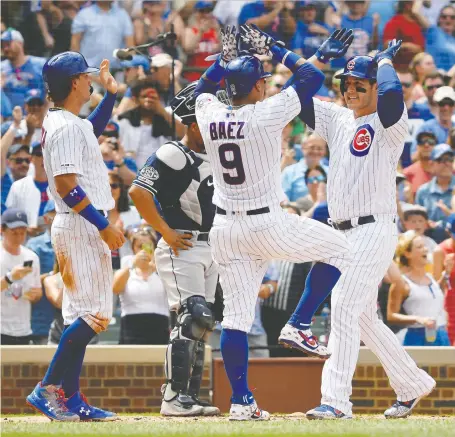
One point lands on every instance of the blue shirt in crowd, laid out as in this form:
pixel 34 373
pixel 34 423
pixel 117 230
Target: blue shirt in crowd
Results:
pixel 103 32
pixel 42 312
pixel 429 194
pixel 363 32
pixel 441 46
pixel 306 41
pixel 42 187
pixel 20 80
pixel 293 180
pixel 129 162
pixel 7 109
pixel 257 9
pixel 7 181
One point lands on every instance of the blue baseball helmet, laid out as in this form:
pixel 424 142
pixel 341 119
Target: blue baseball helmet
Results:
pixel 363 67
pixel 242 73
pixel 59 70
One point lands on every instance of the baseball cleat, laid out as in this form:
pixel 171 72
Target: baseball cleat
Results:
pixel 50 400
pixel 79 405
pixel 303 340
pixel 326 412
pixel 207 408
pixel 181 405
pixel 247 412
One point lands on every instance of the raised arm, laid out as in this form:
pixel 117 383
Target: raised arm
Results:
pixel 103 112
pixel 390 93
pixel 209 82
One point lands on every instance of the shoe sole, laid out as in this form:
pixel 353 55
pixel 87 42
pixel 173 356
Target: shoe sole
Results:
pixel 106 419
pixel 315 417
pixel 28 402
pixel 234 419
pixel 410 410
pixel 182 414
pixel 289 344
pixel 213 413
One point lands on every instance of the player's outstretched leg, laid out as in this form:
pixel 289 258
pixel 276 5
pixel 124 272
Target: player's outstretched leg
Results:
pixel 194 319
pixel 196 380
pixel 297 332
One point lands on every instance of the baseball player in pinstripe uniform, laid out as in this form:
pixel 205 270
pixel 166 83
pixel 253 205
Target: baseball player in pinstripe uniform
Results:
pixel 81 234
pixel 180 178
pixel 250 228
pixel 365 141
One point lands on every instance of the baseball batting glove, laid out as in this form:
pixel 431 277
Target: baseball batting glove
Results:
pixel 229 46
pixel 390 52
pixel 335 46
pixel 260 42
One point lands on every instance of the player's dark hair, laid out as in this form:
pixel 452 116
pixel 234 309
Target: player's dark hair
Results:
pixel 123 203
pixel 310 169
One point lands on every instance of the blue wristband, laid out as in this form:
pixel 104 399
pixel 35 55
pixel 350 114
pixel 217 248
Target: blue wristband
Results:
pixel 215 72
pixel 286 57
pixel 94 217
pixel 75 196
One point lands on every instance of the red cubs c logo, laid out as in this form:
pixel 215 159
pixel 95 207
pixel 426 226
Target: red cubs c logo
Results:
pixel 363 138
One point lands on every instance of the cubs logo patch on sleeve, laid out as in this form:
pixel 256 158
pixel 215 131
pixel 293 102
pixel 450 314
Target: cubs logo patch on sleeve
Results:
pixel 362 141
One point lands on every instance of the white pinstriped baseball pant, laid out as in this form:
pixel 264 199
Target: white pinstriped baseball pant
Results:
pixel 86 267
pixel 244 245
pixel 355 318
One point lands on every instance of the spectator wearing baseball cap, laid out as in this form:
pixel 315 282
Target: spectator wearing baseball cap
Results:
pixel 20 283
pixel 43 311
pixel 419 173
pixel 21 72
pixel 161 69
pixel 447 269
pixel 15 164
pixel 31 192
pixel 436 195
pixel 441 125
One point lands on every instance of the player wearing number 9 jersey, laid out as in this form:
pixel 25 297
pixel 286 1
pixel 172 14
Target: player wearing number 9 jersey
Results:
pixel 243 143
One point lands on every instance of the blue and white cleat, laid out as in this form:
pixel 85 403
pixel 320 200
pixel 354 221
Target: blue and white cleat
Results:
pixel 79 405
pixel 403 409
pixel 326 412
pixel 303 340
pixel 50 400
pixel 247 412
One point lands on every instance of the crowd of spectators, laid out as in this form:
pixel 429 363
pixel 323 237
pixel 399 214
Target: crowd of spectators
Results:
pixel 417 296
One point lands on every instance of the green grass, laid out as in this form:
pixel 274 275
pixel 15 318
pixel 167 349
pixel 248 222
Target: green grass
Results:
pixel 157 427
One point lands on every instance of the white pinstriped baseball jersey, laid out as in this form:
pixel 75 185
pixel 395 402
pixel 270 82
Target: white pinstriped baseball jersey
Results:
pixel 363 160
pixel 244 148
pixel 70 146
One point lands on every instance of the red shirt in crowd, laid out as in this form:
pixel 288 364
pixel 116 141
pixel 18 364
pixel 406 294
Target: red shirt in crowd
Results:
pixel 208 45
pixel 416 176
pixel 400 27
pixel 447 247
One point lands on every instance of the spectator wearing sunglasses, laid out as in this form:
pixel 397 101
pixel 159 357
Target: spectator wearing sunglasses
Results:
pixel 314 177
pixel 436 195
pixel 122 216
pixel 440 39
pixel 30 193
pixel 421 65
pixel 441 125
pixel 431 82
pixel 420 173
pixel 14 168
pixel 145 311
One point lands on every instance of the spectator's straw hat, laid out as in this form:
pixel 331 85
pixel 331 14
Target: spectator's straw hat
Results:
pixel 161 60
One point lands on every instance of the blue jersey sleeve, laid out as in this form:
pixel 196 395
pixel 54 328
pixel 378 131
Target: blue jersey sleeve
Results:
pixel 102 113
pixel 390 96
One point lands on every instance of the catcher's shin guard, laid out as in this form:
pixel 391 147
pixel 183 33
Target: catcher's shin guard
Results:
pixel 198 369
pixel 179 362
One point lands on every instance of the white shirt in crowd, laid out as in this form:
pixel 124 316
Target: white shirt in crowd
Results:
pixel 25 195
pixel 139 141
pixel 425 301
pixel 142 296
pixel 16 310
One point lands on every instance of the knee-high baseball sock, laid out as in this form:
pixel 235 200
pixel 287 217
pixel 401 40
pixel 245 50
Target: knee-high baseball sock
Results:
pixel 75 337
pixel 319 283
pixel 234 349
pixel 70 383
